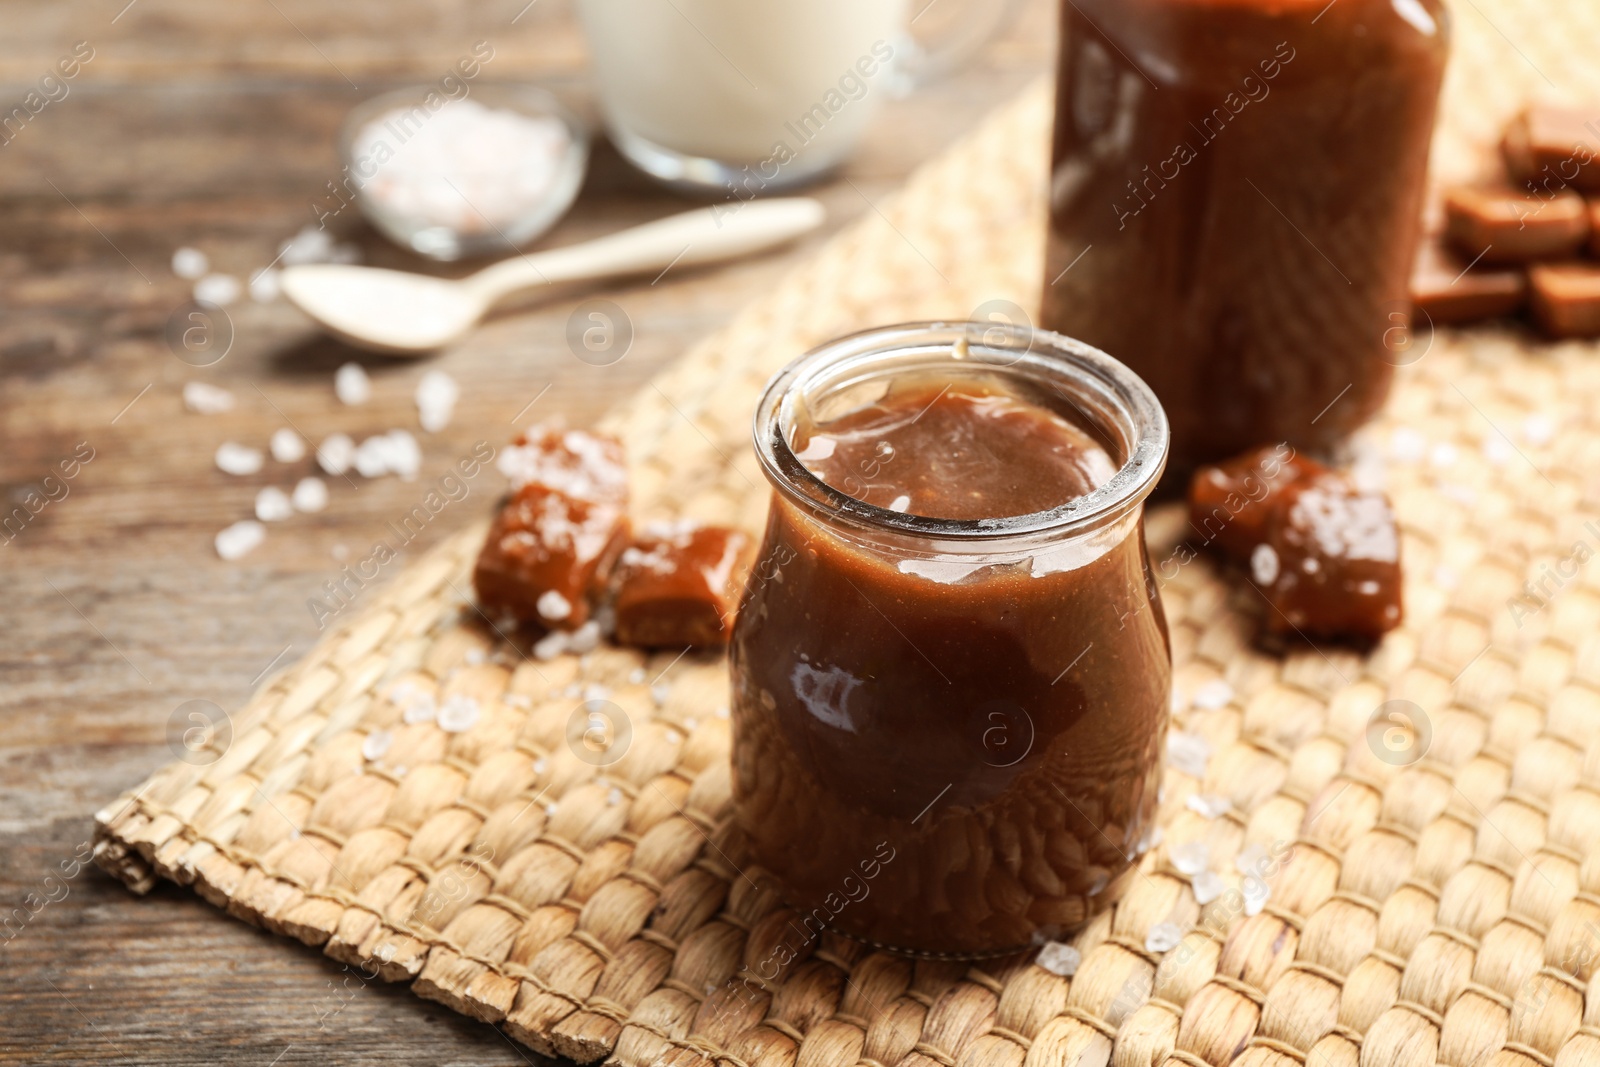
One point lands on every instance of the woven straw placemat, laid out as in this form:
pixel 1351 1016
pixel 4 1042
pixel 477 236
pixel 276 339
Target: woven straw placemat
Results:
pixel 1436 909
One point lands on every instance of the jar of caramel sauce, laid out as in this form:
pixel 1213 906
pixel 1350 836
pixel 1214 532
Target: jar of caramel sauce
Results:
pixel 1235 201
pixel 951 670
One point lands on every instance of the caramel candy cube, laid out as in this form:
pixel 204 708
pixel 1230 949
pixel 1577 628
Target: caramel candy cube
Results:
pixel 1230 503
pixel 679 586
pixel 1330 565
pixel 1506 226
pixel 1566 299
pixel 550 550
pixel 1446 290
pixel 1554 147
pixel 547 555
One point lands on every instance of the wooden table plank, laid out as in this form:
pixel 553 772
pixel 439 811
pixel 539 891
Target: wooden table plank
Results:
pixel 211 126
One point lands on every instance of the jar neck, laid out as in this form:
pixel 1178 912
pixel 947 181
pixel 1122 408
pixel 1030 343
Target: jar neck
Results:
pixel 1104 397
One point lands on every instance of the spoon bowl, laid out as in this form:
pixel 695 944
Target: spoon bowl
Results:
pixel 384 310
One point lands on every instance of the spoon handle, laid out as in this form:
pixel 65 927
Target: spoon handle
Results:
pixel 705 235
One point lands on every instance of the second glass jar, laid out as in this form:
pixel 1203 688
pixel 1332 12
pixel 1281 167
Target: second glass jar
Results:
pixel 947 733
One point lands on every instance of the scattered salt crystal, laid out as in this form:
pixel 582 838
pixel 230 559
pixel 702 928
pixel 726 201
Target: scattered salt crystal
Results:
pixel 1207 886
pixel 1264 564
pixel 240 538
pixel 691 723
pixel 233 458
pixel 190 263
pixel 1497 451
pixel 1443 454
pixel 376 744
pixel 459 714
pixel 674 737
pixel 336 453
pixel 596 692
pixel 1251 858
pixel 1163 937
pixel 351 384
pixel 474 657
pixel 1538 429
pixel 900 503
pixel 1191 857
pixel 311 245
pixel 1407 445
pixel 550 808
pixel 550 645
pixel 401 771
pixel 1188 753
pixel 205 399
pixel 265 286
pixel 436 397
pixel 541 765
pixel 420 708
pixel 400 692
pixel 339 551
pixel 218 289
pixel 1256 893
pixel 636 676
pixel 272 504
pixel 1208 805
pixel 553 606
pixel 723 712
pixel 310 495
pixel 403 454
pixel 1214 694
pixel 659 693
pixel 572 691
pixel 372 457
pixel 585 638
pixel 1059 959
pixel 613 797
pixel 287 446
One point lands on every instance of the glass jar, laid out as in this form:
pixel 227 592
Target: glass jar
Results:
pixel 1236 191
pixel 947 734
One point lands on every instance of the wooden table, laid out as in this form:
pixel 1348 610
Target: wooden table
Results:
pixel 212 126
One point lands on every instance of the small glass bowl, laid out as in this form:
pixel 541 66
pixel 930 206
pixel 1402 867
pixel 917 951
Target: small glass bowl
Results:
pixel 474 233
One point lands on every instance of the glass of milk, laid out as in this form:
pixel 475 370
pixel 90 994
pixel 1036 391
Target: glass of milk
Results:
pixel 744 96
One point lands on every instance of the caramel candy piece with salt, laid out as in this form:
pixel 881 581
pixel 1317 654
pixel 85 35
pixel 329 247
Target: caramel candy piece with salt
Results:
pixel 546 555
pixel 1506 226
pixel 1446 290
pixel 679 585
pixel 1324 553
pixel 1551 148
pixel 550 550
pixel 1566 298
pixel 1230 503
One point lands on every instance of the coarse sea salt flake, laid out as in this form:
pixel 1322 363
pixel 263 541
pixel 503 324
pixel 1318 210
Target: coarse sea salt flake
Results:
pixel 1191 858
pixel 1188 753
pixel 287 446
pixel 459 714
pixel 436 398
pixel 336 453
pixel 234 458
pixel 1207 886
pixel 1059 958
pixel 1208 805
pixel 1163 937
pixel 376 744
pixel 1213 694
pixel 310 495
pixel 202 398
pixel 190 263
pixel 240 539
pixel 351 384
pixel 272 504
pixel 218 289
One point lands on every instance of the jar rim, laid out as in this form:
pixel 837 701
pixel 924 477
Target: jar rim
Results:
pixel 991 347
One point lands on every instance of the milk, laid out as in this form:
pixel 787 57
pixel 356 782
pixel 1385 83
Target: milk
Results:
pixel 748 93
